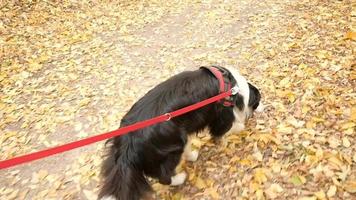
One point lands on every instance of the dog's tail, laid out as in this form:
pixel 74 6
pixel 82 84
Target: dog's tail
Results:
pixel 122 181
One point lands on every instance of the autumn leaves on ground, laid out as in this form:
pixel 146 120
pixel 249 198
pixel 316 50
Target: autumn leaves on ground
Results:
pixel 71 69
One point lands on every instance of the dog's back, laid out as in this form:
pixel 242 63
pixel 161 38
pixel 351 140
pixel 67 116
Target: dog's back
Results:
pixel 145 151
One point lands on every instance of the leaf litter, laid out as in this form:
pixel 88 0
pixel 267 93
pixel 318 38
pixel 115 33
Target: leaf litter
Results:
pixel 72 69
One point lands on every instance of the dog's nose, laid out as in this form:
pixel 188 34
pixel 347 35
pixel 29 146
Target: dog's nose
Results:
pixel 260 108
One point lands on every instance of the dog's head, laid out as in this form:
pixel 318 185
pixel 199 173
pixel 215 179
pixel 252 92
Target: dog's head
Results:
pixel 248 99
pixel 254 101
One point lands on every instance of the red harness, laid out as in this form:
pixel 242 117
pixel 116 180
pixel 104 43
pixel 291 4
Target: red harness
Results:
pixel 224 84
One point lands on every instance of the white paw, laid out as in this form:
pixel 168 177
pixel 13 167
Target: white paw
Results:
pixel 237 127
pixel 192 156
pixel 178 179
pixel 108 198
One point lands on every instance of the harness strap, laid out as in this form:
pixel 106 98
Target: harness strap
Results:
pixel 224 84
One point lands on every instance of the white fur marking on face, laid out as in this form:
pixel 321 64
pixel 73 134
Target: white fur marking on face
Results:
pixel 242 84
pixel 260 108
pixel 108 198
pixel 178 179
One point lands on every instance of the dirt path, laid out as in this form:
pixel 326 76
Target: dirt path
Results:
pixel 71 70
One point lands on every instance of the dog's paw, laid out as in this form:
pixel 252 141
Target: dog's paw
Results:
pixel 178 179
pixel 108 198
pixel 192 156
pixel 237 127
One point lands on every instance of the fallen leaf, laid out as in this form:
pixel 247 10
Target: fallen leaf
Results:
pixel 307 198
pixel 320 195
pixel 90 195
pixel 260 175
pixel 350 186
pixel 332 191
pixel 199 183
pixel 351 35
pixel 213 193
pixel 297 180
pixel 346 142
pixel 274 191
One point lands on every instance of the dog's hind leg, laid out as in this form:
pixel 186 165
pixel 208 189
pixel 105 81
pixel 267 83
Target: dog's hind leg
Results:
pixel 178 179
pixel 167 174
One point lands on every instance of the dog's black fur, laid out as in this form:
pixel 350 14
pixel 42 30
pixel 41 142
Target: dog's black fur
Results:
pixel 155 151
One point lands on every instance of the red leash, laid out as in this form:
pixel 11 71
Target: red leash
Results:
pixel 139 125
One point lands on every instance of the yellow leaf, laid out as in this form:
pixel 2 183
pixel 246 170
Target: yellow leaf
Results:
pixel 42 174
pixel 348 125
pixel 305 109
pixel 345 142
pixel 333 142
pixel 320 195
pixel 283 128
pixel 84 102
pixel 274 190
pixel 297 180
pixel 260 175
pixel 307 198
pixel 276 167
pixel 353 114
pixel 90 195
pixel 336 162
pixel 259 194
pixel 234 160
pixel 213 193
pixel 177 196
pixel 332 191
pixel 351 35
pixel 258 156
pixel 350 186
pixel 13 195
pixel 199 183
pixel 284 82
pixel 245 161
pixel 266 138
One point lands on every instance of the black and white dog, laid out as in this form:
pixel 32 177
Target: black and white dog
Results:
pixel 155 151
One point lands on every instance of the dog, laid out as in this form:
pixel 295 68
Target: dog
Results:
pixel 155 151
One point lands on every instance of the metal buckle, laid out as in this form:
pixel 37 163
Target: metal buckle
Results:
pixel 169 115
pixel 235 90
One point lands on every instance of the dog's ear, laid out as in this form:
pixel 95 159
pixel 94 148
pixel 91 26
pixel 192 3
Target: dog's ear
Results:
pixel 254 98
pixel 239 101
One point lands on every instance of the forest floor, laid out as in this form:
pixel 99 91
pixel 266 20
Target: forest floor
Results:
pixel 72 69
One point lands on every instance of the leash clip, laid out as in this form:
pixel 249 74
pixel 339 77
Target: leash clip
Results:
pixel 235 90
pixel 169 116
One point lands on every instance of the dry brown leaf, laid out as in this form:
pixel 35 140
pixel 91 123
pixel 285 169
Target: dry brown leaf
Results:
pixel 350 186
pixel 274 191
